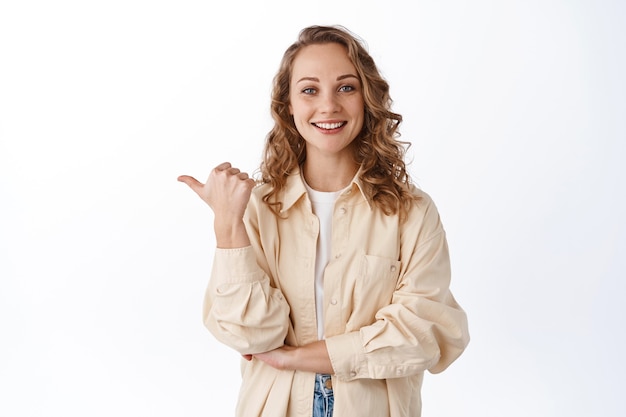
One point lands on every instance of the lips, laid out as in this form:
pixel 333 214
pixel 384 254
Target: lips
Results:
pixel 329 126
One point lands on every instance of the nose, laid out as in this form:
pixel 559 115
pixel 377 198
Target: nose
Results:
pixel 329 103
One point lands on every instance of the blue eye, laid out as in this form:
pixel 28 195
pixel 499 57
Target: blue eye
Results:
pixel 309 90
pixel 346 88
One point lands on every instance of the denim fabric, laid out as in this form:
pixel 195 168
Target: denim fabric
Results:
pixel 323 399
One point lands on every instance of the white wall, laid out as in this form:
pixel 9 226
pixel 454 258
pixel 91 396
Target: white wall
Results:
pixel 516 114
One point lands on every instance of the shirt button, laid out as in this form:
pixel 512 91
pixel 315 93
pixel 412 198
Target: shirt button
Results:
pixel 333 301
pixel 338 256
pixel 342 210
pixel 353 374
pixel 393 268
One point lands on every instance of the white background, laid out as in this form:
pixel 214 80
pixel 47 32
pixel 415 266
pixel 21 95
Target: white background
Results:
pixel 516 111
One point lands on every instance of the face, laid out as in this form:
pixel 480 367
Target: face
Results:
pixel 326 100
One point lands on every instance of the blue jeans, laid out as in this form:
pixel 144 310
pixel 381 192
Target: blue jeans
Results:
pixel 323 399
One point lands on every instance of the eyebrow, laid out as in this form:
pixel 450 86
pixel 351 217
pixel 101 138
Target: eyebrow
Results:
pixel 315 79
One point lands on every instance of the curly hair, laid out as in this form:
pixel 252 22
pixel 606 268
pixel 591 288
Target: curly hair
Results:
pixel 378 150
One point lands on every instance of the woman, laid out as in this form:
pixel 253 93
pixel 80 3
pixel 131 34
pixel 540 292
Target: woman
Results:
pixel 332 276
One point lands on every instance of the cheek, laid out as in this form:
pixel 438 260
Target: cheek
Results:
pixel 299 110
pixel 357 107
pixel 359 111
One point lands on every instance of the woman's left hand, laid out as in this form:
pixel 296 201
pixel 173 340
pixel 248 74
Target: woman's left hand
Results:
pixel 281 358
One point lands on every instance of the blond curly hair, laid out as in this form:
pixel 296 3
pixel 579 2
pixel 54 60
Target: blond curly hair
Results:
pixel 378 150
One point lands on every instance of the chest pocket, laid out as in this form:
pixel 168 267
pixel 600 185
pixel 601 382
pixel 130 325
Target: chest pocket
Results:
pixel 376 282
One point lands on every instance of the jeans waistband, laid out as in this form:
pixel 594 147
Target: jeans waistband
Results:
pixel 324 384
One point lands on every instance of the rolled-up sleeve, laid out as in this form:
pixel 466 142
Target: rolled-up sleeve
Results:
pixel 241 308
pixel 422 328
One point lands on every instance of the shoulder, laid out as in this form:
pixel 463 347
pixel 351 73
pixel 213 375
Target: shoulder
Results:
pixel 260 190
pixel 423 202
pixel 285 198
pixel 423 215
pixel 256 197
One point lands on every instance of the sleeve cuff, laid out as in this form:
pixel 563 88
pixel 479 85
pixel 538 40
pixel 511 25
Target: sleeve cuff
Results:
pixel 236 266
pixel 347 356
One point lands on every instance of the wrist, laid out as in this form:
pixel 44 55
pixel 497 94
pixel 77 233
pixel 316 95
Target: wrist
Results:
pixel 293 358
pixel 230 234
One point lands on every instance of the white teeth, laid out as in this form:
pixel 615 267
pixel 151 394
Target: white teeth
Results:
pixel 329 125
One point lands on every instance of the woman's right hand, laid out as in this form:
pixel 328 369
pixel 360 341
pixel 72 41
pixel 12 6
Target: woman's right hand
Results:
pixel 227 191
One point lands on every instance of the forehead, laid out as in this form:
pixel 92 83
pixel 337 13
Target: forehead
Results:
pixel 328 59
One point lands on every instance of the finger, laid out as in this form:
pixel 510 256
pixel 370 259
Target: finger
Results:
pixel 251 182
pixel 193 183
pixel 223 166
pixel 234 171
pixel 242 175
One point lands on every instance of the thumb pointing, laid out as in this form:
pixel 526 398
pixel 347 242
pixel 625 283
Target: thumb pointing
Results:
pixel 193 183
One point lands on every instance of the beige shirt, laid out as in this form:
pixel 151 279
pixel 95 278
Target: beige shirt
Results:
pixel 389 313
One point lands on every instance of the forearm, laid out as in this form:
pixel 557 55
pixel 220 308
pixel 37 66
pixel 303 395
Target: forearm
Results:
pixel 313 358
pixel 309 358
pixel 411 335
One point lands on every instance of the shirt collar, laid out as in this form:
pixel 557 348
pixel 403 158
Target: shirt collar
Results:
pixel 295 189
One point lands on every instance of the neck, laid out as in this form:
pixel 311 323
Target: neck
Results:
pixel 328 177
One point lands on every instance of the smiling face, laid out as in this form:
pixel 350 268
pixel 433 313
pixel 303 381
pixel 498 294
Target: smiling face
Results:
pixel 326 100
